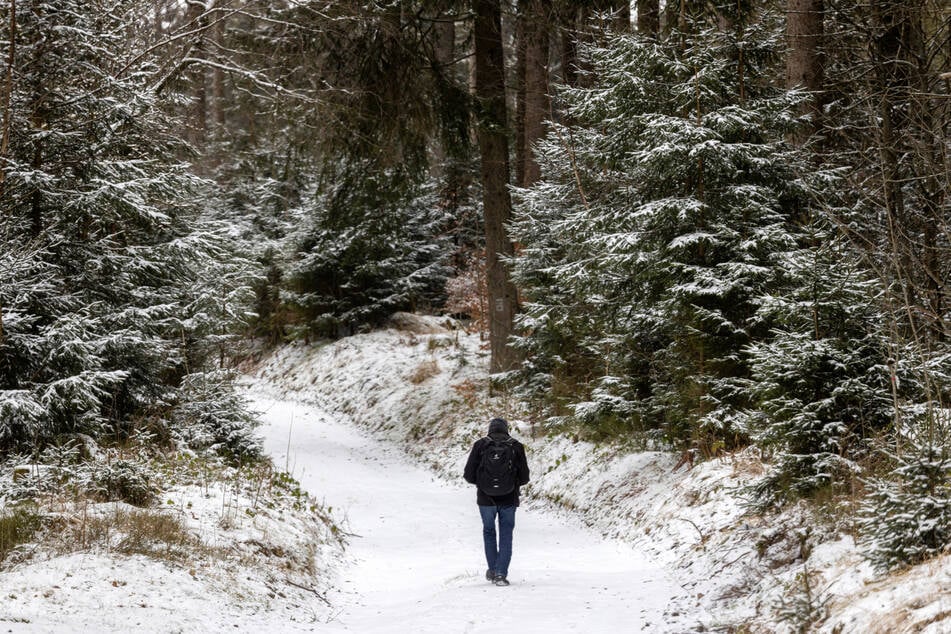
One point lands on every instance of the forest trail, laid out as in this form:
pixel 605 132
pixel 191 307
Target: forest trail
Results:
pixel 416 565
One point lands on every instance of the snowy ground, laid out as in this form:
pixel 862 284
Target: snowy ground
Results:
pixel 222 550
pixel 608 539
pixel 421 386
pixel 417 560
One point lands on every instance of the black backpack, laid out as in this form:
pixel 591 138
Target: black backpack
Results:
pixel 496 474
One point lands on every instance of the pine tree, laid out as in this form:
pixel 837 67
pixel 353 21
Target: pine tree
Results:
pixel 372 248
pixel 26 283
pixel 907 516
pixel 115 305
pixel 365 153
pixel 820 381
pixel 665 210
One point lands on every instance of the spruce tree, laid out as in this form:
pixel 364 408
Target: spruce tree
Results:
pixel 906 518
pixel 371 248
pixel 368 158
pixel 666 207
pixel 820 381
pixel 127 288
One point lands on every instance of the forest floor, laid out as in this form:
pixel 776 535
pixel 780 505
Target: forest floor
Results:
pixel 363 524
pixel 663 547
pixel 218 552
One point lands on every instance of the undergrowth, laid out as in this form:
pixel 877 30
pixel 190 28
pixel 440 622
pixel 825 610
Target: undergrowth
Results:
pixel 135 499
pixel 17 526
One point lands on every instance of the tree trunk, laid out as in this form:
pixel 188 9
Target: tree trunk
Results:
pixel 910 210
pixel 522 26
pixel 198 115
pixel 804 31
pixel 536 106
pixel 648 17
pixel 568 22
pixel 576 25
pixel 444 51
pixel 218 83
pixel 496 202
pixel 913 162
pixel 8 95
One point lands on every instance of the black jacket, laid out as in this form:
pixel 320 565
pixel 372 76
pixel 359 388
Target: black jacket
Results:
pixel 521 472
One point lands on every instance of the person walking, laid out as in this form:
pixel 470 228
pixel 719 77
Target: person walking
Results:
pixel 498 467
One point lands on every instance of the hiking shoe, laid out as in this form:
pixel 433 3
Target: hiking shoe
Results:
pixel 490 575
pixel 501 581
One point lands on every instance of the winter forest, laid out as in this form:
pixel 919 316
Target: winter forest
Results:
pixel 704 228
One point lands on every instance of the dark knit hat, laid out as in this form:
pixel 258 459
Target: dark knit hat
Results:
pixel 498 426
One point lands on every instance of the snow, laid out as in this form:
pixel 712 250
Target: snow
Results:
pixel 417 558
pixel 733 568
pixel 255 561
pixel 376 427
pixel 97 593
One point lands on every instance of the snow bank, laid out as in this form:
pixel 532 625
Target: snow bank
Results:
pixel 220 549
pixel 422 383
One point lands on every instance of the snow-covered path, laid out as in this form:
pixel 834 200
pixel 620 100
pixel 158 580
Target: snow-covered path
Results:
pixel 417 563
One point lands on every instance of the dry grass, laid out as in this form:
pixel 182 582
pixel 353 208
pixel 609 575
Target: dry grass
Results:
pixel 17 526
pixel 424 371
pixel 152 532
pixel 746 463
pixel 470 392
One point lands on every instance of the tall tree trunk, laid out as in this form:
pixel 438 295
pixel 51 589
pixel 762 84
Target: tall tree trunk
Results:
pixel 892 77
pixel 197 18
pixel 932 115
pixel 8 94
pixel 444 50
pixel 913 161
pixel 568 26
pixel 448 164
pixel 914 168
pixel 648 17
pixel 219 97
pixel 536 105
pixel 522 26
pixel 804 31
pixel 576 26
pixel 496 202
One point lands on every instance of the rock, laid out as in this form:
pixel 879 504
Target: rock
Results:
pixel 418 324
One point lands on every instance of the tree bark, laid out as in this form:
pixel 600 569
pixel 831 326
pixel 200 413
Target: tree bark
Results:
pixel 535 107
pixel 198 114
pixel 648 17
pixel 522 26
pixel 913 163
pixel 8 94
pixel 444 51
pixel 568 23
pixel 804 32
pixel 576 29
pixel 497 204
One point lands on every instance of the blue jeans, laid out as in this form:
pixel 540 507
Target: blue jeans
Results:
pixel 498 555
